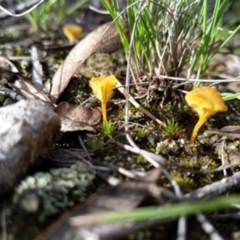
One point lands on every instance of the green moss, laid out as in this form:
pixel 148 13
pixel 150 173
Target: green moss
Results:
pixel 209 164
pixel 108 129
pixel 142 161
pixel 190 164
pixel 184 181
pixel 141 133
pixel 95 142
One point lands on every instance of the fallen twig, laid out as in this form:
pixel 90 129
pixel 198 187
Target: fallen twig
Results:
pixel 216 188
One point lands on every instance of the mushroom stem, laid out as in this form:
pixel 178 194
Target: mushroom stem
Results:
pixel 200 122
pixel 104 111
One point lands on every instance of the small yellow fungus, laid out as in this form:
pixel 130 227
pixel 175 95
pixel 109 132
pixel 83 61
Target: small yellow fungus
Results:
pixel 206 101
pixel 103 88
pixel 71 32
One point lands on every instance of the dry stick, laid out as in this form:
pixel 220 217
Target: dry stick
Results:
pixel 12 93
pixel 215 189
pixel 221 168
pixel 13 68
pixel 37 70
pixel 151 157
pixel 211 190
pixel 223 158
pixel 182 225
pixel 122 90
pixel 137 150
pixel 127 85
pixel 20 7
pixel 155 157
pixel 235 134
pixel 208 227
pixel 84 147
pixel 122 171
pixel 227 215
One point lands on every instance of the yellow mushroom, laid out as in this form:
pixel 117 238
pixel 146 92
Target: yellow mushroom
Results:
pixel 103 88
pixel 206 101
pixel 71 32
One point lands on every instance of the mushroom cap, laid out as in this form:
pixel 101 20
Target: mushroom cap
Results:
pixel 206 101
pixel 103 87
pixel 71 32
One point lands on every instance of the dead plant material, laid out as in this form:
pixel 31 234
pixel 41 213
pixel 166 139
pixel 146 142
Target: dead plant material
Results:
pixel 27 132
pixel 75 118
pixel 104 39
pixel 125 196
pixel 122 90
pixel 227 131
pixel 8 76
pixel 30 92
pixel 215 189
